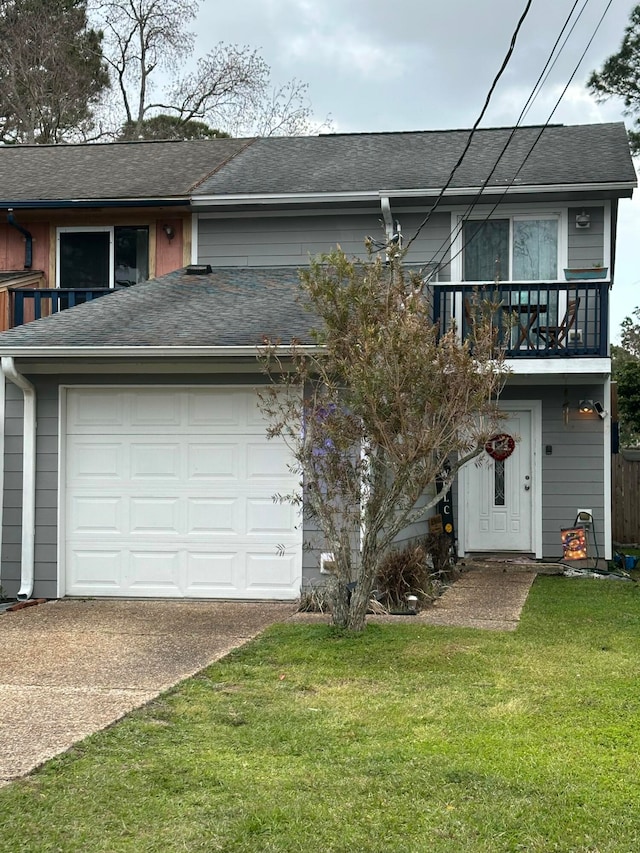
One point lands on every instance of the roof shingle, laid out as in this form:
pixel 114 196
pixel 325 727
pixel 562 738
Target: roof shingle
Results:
pixel 237 306
pixel 592 154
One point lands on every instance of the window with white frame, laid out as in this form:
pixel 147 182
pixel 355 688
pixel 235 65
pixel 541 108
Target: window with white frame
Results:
pixel 102 256
pixel 511 248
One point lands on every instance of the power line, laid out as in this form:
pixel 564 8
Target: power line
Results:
pixel 501 71
pixel 537 88
pixel 535 142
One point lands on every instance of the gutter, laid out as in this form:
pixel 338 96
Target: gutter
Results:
pixel 47 204
pixel 397 194
pixel 28 477
pixel 32 352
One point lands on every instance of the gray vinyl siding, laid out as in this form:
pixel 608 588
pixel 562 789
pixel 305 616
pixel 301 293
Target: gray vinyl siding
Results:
pixel 46 538
pixel 12 497
pixel 291 240
pixel 586 245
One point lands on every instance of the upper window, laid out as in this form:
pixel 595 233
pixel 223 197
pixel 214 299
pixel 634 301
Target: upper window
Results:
pixel 511 249
pixel 102 257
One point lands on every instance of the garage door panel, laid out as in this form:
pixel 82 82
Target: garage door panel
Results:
pixel 214 461
pixel 155 461
pixel 92 516
pixel 269 574
pixel 215 516
pixel 223 409
pixel 92 460
pixel 156 408
pixel 97 408
pixel 154 572
pixel 266 517
pixel 155 516
pixel 95 571
pixel 211 574
pixel 267 461
pixel 179 502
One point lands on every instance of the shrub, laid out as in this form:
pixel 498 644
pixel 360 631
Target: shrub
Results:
pixel 404 572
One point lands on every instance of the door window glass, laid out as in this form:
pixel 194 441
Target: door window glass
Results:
pixel 84 259
pixel 131 261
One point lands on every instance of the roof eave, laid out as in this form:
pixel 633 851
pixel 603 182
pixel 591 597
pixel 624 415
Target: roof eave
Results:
pixel 148 351
pixel 45 204
pixel 619 187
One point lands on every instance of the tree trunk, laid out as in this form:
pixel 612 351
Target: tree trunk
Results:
pixel 340 605
pixel 359 605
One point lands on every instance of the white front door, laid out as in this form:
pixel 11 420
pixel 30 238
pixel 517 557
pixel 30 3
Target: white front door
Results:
pixel 499 494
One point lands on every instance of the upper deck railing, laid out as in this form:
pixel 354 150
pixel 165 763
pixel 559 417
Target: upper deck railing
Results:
pixel 534 320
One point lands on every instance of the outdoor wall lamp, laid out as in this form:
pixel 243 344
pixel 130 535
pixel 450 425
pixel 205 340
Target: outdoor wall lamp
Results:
pixel 169 230
pixel 588 407
pixel 583 220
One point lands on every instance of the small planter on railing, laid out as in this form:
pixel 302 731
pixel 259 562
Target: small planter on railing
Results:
pixel 582 273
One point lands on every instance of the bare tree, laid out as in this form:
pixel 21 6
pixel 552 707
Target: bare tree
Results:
pixel 230 88
pixel 51 70
pixel 390 404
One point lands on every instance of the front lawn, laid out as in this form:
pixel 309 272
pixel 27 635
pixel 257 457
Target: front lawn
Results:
pixel 408 738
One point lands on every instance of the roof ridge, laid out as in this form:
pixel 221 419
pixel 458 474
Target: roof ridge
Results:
pixel 222 165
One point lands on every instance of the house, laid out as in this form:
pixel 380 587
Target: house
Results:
pixel 88 218
pixel 135 460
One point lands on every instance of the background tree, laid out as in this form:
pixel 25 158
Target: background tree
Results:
pixel 230 88
pixel 620 76
pixel 52 73
pixel 171 127
pixel 626 372
pixel 388 402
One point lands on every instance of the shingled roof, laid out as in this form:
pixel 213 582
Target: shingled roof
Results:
pixel 569 155
pixel 119 170
pixel 235 306
pixel 596 154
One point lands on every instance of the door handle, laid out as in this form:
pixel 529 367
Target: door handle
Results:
pixel 526 488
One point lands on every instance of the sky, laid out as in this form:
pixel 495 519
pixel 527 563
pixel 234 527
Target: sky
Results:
pixel 428 64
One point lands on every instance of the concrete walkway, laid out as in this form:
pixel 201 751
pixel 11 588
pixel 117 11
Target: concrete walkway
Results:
pixel 483 597
pixel 69 668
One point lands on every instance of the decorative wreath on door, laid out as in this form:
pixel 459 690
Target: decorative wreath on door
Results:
pixel 500 446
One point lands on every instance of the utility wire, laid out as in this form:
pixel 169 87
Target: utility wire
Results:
pixel 537 88
pixel 501 71
pixel 545 125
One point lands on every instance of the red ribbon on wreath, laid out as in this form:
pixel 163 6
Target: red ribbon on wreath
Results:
pixel 500 446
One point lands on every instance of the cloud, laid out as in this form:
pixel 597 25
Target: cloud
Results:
pixel 346 50
pixel 577 106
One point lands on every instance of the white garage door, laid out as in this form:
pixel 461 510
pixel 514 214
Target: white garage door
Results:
pixel 169 492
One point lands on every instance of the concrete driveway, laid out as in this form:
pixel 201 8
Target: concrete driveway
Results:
pixel 69 668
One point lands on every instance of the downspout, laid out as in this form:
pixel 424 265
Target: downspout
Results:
pixel 387 217
pixel 28 477
pixel 392 230
pixel 28 249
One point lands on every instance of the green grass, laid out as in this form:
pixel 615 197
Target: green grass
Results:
pixel 407 738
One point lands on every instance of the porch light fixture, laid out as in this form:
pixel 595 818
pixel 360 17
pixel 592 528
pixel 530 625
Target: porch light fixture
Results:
pixel 583 220
pixel 589 407
pixel 169 230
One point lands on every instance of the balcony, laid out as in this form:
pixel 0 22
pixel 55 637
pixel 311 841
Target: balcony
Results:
pixel 27 304
pixel 534 320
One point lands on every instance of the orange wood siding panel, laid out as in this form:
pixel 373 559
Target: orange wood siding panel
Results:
pixel 168 252
pixel 12 246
